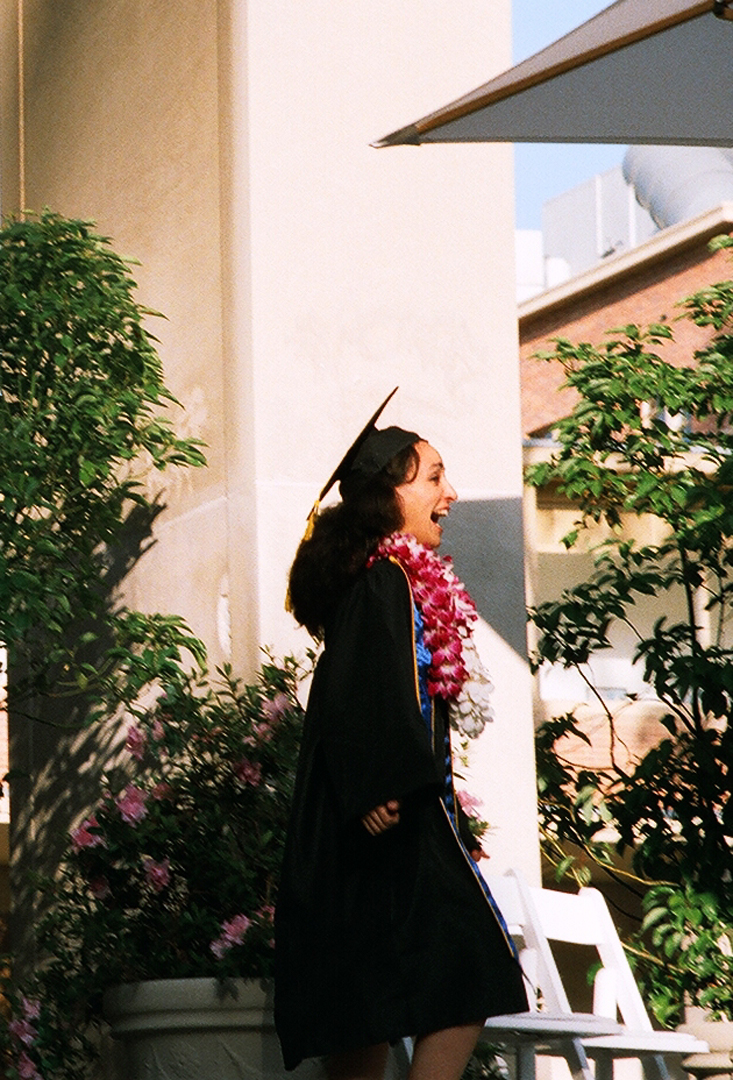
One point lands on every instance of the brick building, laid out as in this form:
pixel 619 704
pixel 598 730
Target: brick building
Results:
pixel 637 286
pixel 640 286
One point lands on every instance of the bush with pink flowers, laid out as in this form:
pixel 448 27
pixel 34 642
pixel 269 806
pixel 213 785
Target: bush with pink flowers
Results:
pixel 173 871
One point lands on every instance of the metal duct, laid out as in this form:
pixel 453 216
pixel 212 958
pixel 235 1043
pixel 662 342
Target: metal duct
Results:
pixel 676 183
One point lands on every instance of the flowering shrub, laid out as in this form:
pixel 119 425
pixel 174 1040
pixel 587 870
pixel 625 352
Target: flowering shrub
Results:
pixel 471 806
pixel 173 872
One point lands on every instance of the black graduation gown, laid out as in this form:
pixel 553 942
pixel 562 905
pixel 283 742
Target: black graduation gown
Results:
pixel 381 937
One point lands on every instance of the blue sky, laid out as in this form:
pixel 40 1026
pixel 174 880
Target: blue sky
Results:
pixel 544 170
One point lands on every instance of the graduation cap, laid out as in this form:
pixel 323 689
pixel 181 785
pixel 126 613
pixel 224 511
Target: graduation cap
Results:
pixel 370 451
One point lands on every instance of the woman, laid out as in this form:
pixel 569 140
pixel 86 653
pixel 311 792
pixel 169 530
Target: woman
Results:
pixel 384 927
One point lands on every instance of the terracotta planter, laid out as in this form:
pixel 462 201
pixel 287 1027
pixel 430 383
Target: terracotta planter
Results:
pixel 195 1029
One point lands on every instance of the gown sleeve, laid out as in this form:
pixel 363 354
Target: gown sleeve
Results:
pixel 374 740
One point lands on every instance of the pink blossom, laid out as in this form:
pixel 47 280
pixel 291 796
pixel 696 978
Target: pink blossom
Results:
pixel 235 928
pixel 161 790
pixel 158 730
pixel 262 733
pixel 131 804
pixel 23 1031
pixel 31 1008
pixel 274 708
pixel 248 772
pixel 232 933
pixel 83 838
pixel 470 803
pixel 27 1069
pixel 157 874
pixel 136 741
pixel 99 888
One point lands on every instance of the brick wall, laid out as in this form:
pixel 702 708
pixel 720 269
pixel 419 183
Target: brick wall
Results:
pixel 648 284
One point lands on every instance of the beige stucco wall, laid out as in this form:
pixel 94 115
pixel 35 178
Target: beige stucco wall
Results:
pixel 122 127
pixel 303 275
pixel 377 268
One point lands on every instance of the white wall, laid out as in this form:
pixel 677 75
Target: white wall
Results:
pixel 304 274
pixel 372 268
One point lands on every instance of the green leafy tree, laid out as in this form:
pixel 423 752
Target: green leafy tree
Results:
pixel 185 783
pixel 648 437
pixel 82 405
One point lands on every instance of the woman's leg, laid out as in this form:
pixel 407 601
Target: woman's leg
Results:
pixel 443 1055
pixel 366 1063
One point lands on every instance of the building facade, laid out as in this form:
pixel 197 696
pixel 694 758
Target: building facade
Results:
pixel 224 145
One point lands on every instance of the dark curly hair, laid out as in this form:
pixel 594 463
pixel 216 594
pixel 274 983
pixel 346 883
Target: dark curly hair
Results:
pixel 343 538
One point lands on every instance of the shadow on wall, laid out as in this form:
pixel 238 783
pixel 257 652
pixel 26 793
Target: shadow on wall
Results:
pixel 57 761
pixel 486 539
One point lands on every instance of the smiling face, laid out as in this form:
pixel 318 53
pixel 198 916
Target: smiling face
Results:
pixel 426 498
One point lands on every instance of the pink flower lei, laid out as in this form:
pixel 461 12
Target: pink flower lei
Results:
pixel 448 612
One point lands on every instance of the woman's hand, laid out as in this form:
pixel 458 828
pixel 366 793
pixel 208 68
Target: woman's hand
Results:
pixel 382 818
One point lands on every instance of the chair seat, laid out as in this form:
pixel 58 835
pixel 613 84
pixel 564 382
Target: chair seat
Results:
pixel 633 1043
pixel 552 1025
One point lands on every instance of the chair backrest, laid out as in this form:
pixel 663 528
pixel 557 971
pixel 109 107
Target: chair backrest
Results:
pixel 535 953
pixel 538 916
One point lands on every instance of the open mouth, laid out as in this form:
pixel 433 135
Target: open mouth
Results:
pixel 438 515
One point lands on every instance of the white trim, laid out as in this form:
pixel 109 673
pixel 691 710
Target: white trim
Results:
pixel 665 242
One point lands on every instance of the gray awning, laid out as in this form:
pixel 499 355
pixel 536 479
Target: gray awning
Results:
pixel 641 71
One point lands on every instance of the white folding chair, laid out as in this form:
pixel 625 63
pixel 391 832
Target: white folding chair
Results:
pixel 551 1026
pixel 538 916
